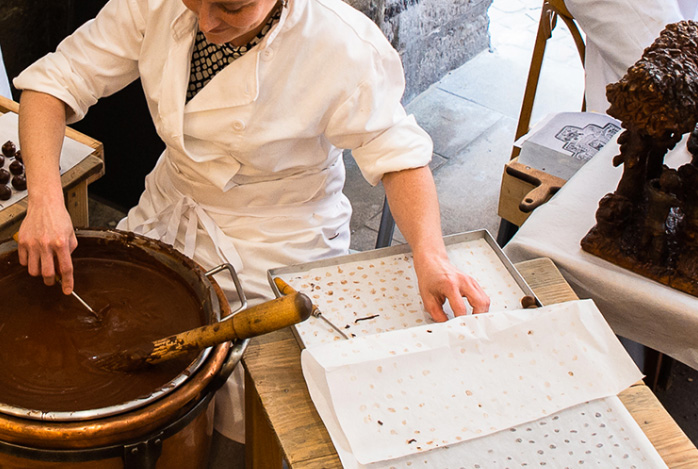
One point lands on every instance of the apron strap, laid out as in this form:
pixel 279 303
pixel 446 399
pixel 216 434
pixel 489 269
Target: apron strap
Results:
pixel 164 226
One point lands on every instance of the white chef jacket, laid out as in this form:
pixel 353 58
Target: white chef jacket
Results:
pixel 252 173
pixel 617 32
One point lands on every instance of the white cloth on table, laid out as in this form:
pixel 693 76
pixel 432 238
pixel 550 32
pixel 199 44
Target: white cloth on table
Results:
pixel 252 173
pixel 636 307
pixel 617 32
pixel 4 82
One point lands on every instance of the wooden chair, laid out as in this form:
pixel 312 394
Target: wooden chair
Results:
pixel 517 197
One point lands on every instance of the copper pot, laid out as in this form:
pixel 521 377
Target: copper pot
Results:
pixel 174 428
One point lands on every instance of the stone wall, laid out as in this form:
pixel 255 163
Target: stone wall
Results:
pixel 432 37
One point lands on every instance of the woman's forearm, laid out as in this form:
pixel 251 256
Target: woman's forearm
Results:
pixel 46 237
pixel 414 203
pixel 42 122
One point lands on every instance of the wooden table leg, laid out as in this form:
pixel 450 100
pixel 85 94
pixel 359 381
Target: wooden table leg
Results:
pixel 262 450
pixel 77 204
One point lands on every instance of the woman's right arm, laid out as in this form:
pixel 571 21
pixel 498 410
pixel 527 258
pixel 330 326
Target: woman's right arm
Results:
pixel 46 236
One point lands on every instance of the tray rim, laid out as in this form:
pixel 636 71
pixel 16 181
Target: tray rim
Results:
pixel 373 254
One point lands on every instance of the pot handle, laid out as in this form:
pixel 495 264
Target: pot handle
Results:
pixel 235 353
pixel 236 281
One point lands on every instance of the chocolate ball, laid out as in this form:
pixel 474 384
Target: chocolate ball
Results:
pixel 2 160
pixel 5 192
pixel 16 168
pixel 4 176
pixel 18 156
pixel 9 148
pixel 19 182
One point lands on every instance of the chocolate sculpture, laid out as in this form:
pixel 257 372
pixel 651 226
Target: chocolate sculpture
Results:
pixel 650 223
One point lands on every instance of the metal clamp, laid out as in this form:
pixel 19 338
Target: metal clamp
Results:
pixel 144 454
pixel 236 281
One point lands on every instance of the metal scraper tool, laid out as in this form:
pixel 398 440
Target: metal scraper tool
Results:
pixel 287 289
pixel 82 302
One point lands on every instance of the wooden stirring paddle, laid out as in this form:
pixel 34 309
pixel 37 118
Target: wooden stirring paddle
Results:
pixel 257 320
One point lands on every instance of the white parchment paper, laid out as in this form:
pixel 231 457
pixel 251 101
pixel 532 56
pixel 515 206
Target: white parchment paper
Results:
pixel 406 392
pixel 73 152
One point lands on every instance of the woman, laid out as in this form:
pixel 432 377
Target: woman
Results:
pixel 252 173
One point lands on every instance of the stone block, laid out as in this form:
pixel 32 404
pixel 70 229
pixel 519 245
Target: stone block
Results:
pixel 432 37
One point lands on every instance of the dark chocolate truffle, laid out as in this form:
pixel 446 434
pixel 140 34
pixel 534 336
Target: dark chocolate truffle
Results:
pixel 19 182
pixel 5 192
pixel 18 156
pixel 9 148
pixel 4 176
pixel 16 167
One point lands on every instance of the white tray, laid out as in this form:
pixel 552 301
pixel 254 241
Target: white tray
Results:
pixel 376 291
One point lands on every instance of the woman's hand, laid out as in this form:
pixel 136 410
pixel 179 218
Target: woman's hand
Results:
pixel 414 204
pixel 46 238
pixel 439 280
pixel 45 241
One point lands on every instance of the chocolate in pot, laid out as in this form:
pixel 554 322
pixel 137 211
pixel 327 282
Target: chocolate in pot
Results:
pixel 47 339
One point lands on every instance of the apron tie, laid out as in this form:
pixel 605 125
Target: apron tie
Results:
pixel 164 226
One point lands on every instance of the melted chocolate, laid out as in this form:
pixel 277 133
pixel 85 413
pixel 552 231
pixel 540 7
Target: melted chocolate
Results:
pixel 48 340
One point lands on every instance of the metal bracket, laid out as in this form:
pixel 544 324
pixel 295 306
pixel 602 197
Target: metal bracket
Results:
pixel 144 454
pixel 236 281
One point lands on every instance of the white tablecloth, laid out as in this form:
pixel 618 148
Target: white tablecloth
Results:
pixel 636 307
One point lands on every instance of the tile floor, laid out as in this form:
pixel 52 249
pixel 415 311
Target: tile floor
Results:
pixel 471 115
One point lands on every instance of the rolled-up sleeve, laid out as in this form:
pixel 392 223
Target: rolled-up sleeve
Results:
pixel 373 124
pixel 97 60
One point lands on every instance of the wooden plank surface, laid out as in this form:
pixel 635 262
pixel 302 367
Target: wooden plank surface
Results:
pixel 274 377
pixel 671 442
pixel 546 281
pixel 273 365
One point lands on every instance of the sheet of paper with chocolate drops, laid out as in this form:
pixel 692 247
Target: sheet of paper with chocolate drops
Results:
pixel 376 295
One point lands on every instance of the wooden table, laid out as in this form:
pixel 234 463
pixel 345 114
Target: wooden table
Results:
pixel 75 182
pixel 282 422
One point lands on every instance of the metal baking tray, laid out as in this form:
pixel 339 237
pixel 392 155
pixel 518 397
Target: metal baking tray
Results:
pixel 340 284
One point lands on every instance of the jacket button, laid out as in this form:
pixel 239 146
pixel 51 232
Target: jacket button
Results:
pixel 238 125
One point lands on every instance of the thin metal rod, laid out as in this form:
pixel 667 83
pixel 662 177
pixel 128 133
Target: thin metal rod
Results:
pixel 82 302
pixel 318 314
